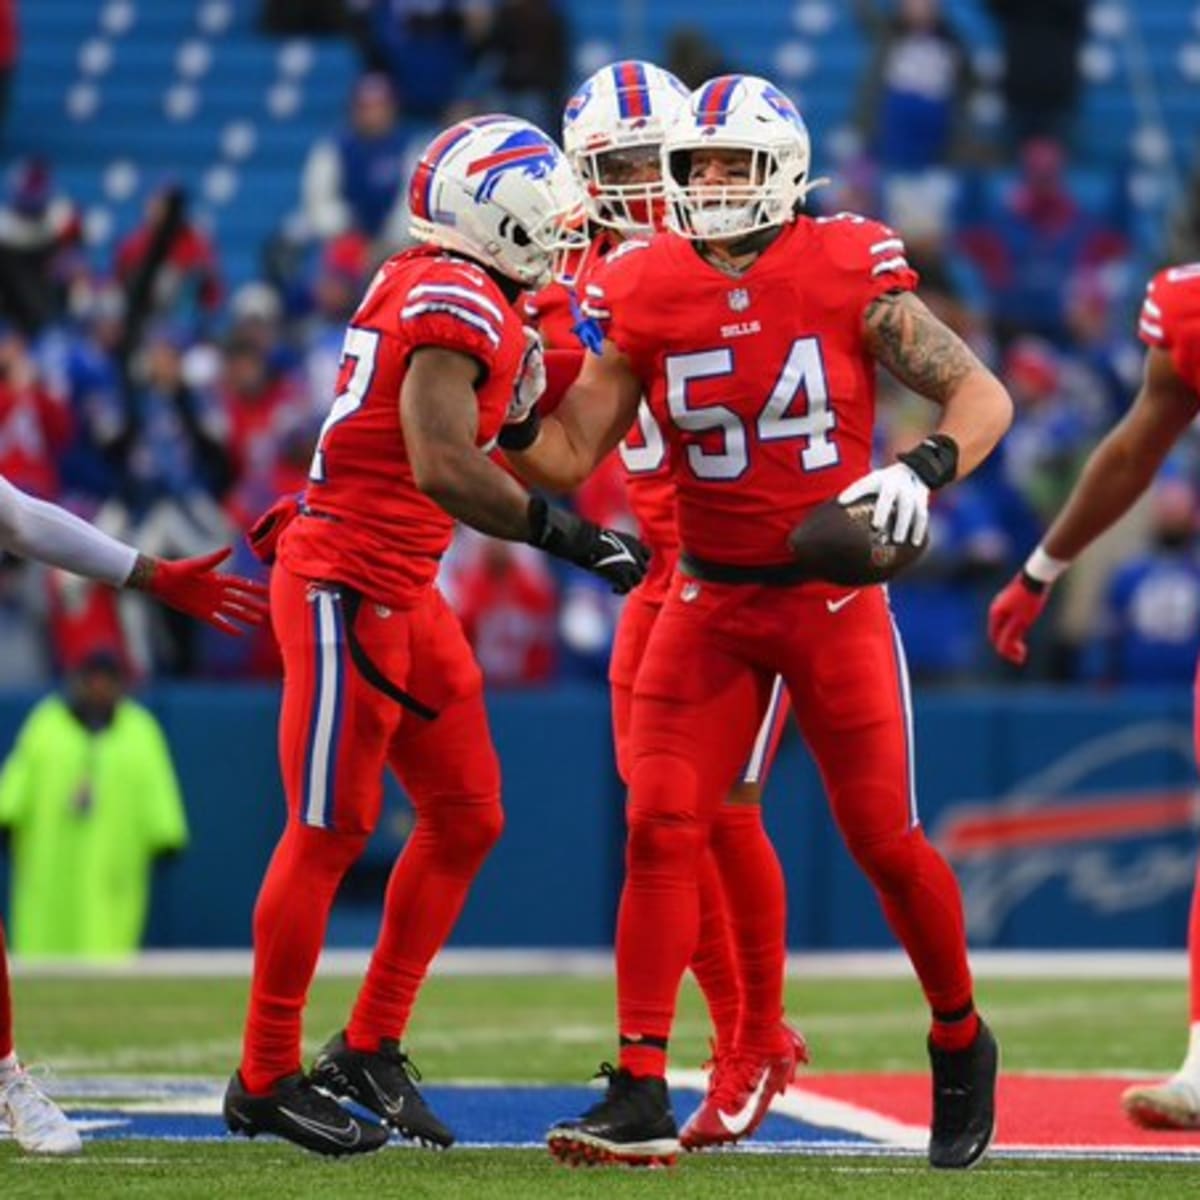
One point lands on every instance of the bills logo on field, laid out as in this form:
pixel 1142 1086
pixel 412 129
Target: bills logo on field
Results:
pixel 525 151
pixel 1078 849
pixel 739 299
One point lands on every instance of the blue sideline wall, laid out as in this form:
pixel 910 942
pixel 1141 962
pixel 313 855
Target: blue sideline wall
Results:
pixel 1069 818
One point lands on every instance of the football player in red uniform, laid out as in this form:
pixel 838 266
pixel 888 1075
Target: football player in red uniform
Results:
pixel 612 134
pixel 31 528
pixel 377 671
pixel 1118 471
pixel 754 333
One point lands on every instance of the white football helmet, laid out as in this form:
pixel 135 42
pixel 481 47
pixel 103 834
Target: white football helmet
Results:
pixel 736 112
pixel 617 114
pixel 498 189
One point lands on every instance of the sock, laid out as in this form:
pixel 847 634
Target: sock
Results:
pixel 954 1031
pixel 425 894
pixel 751 873
pixel 290 918
pixel 6 1017
pixel 1191 1063
pixel 713 963
pixel 9 1064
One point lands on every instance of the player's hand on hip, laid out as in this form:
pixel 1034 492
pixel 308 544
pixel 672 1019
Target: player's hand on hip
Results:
pixel 901 502
pixel 619 558
pixel 1012 614
pixel 191 585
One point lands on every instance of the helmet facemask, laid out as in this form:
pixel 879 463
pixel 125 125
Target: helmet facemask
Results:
pixel 625 187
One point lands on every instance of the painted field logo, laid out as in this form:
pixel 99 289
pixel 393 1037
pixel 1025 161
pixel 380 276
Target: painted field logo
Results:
pixel 1111 848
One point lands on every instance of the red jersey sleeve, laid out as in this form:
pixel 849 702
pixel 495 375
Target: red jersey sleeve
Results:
pixel 1170 319
pixel 609 292
pixel 869 255
pixel 456 308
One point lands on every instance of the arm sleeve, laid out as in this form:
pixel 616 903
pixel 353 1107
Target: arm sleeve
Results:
pixel 31 528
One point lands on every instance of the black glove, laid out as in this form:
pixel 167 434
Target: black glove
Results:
pixel 934 461
pixel 619 558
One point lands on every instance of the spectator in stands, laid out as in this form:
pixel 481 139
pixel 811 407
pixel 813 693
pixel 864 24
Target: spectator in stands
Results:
pixel 272 430
pixel 691 57
pixel 1032 244
pixel 304 16
pixel 913 101
pixel 1150 627
pixel 336 290
pixel 9 44
pixel 426 46
pixel 167 266
pixel 354 182
pixel 526 59
pixel 35 423
pixel 506 601
pixel 1041 40
pixel 91 797
pixel 39 237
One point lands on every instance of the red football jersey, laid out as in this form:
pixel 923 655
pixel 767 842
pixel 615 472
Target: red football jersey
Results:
pixel 367 524
pixel 644 455
pixel 761 383
pixel 1170 319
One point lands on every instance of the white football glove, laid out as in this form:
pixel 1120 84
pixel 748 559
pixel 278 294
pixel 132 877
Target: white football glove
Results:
pixel 531 379
pixel 901 505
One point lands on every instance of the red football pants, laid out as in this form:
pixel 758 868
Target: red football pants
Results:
pixel 337 733
pixel 702 685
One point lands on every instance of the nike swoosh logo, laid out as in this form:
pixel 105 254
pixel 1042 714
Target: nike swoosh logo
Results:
pixel 390 1107
pixel 621 554
pixel 344 1135
pixel 739 1122
pixel 840 602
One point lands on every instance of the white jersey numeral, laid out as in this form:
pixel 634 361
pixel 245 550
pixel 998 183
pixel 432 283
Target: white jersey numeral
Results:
pixel 803 373
pixel 361 346
pixel 650 451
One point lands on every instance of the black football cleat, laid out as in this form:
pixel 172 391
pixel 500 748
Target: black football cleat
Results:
pixel 632 1126
pixel 295 1110
pixel 383 1083
pixel 964 1101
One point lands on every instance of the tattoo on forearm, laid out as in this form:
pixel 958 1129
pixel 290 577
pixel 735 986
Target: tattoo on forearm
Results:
pixel 907 339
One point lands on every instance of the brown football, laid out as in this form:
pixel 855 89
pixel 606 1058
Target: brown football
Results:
pixel 835 542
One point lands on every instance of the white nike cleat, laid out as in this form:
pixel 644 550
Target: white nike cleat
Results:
pixel 1172 1104
pixel 38 1125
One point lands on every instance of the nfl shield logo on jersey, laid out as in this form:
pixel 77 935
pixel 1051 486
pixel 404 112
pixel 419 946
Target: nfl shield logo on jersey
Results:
pixel 739 299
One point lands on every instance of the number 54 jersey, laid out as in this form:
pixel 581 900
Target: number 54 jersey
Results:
pixel 365 522
pixel 761 381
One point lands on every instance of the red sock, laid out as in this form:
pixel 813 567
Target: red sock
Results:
pixel 713 963
pixel 290 917
pixel 923 906
pixel 657 928
pixel 750 871
pixel 425 894
pixel 6 1018
pixel 954 1031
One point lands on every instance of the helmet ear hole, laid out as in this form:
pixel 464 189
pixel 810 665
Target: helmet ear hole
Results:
pixel 520 237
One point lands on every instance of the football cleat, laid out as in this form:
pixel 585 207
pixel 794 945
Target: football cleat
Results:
pixel 1172 1104
pixel 964 1101
pixel 632 1126
pixel 383 1083
pixel 38 1125
pixel 740 1090
pixel 298 1112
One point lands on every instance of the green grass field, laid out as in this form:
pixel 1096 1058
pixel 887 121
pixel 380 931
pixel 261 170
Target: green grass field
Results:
pixel 556 1030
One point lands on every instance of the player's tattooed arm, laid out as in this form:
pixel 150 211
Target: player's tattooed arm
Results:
pixel 439 412
pixel 917 348
pixel 902 335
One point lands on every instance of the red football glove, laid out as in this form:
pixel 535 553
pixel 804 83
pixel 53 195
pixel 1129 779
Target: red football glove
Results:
pixel 1012 614
pixel 193 587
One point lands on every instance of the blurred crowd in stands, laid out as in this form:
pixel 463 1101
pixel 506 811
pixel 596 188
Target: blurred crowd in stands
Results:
pixel 147 396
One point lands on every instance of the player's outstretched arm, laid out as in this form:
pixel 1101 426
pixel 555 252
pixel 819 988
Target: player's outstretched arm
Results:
pixel 560 451
pixel 1116 473
pixel 931 359
pixel 32 528
pixel 439 414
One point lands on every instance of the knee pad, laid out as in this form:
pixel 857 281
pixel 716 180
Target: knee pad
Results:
pixel 461 834
pixel 664 842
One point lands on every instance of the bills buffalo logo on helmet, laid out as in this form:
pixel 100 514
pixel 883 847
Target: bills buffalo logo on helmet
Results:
pixel 524 150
